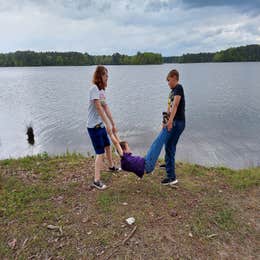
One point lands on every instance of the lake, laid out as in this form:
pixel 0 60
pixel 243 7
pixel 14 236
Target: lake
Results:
pixel 222 110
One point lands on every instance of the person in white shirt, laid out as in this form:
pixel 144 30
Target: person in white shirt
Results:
pixel 100 123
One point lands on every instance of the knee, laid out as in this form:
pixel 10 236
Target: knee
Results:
pixel 107 149
pixel 99 157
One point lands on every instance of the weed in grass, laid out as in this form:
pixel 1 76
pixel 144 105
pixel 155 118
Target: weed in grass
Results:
pixel 16 196
pixel 105 200
pixel 225 219
pixel 240 179
pixel 201 224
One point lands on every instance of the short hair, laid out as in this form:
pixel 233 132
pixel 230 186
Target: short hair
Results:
pixel 123 145
pixel 97 77
pixel 173 73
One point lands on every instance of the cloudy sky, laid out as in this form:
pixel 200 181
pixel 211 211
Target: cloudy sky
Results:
pixel 170 27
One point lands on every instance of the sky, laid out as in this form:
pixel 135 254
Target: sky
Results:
pixel 169 27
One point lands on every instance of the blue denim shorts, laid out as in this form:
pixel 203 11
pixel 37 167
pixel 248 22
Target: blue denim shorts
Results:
pixel 99 139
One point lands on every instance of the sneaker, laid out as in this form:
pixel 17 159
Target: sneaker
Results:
pixel 163 165
pixel 168 181
pixel 99 185
pixel 114 169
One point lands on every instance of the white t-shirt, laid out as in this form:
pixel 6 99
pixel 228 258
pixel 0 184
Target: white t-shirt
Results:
pixel 93 116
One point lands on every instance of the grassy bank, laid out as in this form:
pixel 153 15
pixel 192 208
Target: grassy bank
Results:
pixel 49 211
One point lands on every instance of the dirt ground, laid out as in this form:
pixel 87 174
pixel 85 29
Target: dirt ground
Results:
pixel 49 211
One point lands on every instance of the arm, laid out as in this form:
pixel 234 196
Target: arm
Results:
pixel 115 140
pixel 168 109
pixel 176 103
pixel 109 115
pixel 102 114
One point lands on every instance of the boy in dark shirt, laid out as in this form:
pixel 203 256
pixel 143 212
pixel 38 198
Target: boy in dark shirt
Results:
pixel 175 124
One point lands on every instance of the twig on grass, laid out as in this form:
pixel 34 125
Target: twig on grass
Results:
pixel 117 245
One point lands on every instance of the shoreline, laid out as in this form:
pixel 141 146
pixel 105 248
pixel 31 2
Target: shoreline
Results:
pixel 88 156
pixel 155 64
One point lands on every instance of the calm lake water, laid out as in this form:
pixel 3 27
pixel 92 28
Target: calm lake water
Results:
pixel 222 110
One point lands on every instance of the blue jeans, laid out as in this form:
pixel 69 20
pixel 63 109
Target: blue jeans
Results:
pixel 170 147
pixel 155 150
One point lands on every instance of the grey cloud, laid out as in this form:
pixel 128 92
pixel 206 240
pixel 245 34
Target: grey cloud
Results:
pixel 171 27
pixel 252 5
pixel 81 9
pixel 155 5
pixel 75 9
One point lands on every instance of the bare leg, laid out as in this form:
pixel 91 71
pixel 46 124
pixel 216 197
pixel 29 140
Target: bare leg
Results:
pixel 109 156
pixel 98 166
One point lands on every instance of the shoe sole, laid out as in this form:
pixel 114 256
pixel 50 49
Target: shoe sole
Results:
pixel 171 183
pixel 119 170
pixel 97 187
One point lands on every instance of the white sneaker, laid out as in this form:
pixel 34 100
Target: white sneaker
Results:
pixel 168 181
pixel 99 185
pixel 174 182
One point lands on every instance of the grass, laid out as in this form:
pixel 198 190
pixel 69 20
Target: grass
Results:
pixel 211 214
pixel 241 179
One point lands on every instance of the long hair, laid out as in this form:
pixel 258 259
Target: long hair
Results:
pixel 97 77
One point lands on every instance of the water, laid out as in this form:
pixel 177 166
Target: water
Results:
pixel 222 110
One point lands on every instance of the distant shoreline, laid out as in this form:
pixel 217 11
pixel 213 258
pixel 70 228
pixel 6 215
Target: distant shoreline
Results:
pixel 39 66
pixel 249 53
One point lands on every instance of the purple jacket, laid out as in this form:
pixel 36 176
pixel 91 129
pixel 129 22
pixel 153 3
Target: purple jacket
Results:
pixel 132 163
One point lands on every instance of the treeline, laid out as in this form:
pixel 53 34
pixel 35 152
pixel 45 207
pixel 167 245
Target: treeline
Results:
pixel 243 53
pixel 31 58
pixel 190 58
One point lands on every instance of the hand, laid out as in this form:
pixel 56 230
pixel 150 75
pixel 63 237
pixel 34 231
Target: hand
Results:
pixel 169 125
pixel 163 126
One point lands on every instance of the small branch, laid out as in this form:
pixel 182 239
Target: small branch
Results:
pixel 116 246
pixel 112 253
pixel 129 236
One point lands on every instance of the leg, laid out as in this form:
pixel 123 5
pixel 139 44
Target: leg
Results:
pixel 107 147
pixel 98 144
pixel 155 150
pixel 170 148
pixel 108 150
pixel 109 156
pixel 98 166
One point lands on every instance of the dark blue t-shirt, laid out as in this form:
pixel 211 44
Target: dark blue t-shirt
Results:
pixel 177 91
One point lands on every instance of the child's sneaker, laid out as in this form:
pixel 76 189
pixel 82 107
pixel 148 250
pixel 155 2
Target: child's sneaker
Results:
pixel 168 181
pixel 114 169
pixel 99 185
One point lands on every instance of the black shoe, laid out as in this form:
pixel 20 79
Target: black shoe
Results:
pixel 99 185
pixel 114 169
pixel 168 181
pixel 163 165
